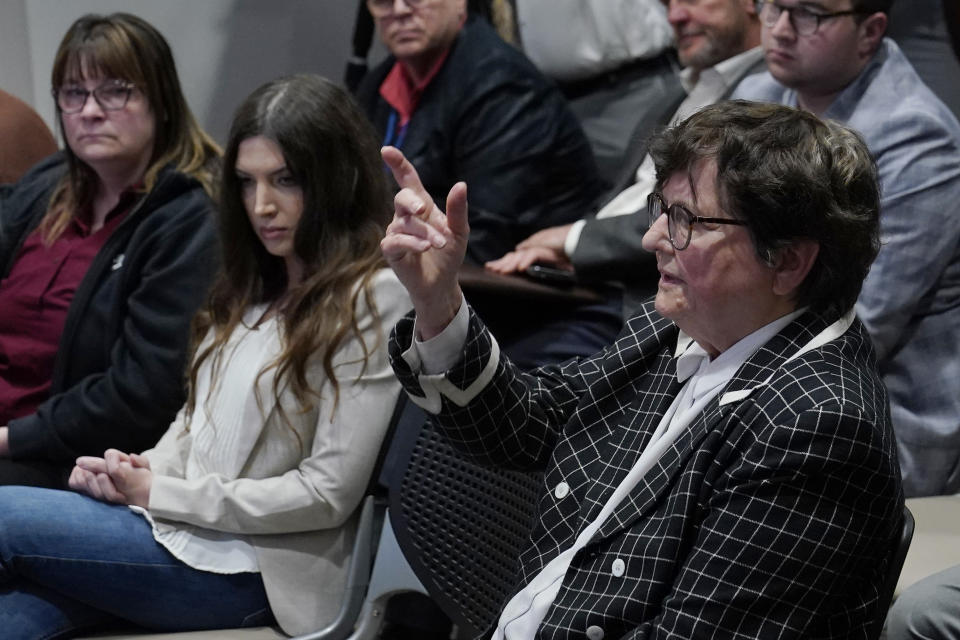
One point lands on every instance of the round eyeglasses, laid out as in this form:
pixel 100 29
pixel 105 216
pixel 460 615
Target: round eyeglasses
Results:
pixel 679 220
pixel 803 21
pixel 380 8
pixel 111 96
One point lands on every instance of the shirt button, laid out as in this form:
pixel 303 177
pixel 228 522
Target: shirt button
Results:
pixel 594 632
pixel 618 567
pixel 561 490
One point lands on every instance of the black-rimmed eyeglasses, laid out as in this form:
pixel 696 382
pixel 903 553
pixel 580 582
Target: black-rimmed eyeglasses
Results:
pixel 379 8
pixel 680 220
pixel 111 96
pixel 803 21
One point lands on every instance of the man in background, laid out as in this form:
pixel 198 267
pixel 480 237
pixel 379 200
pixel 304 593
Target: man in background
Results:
pixel 464 105
pixel 832 59
pixel 718 41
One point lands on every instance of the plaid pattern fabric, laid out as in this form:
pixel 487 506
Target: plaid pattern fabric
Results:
pixel 770 517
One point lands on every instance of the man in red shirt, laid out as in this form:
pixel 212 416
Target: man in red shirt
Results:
pixel 464 105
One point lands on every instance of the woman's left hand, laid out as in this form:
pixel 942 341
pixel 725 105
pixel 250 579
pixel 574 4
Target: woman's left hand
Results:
pixel 131 476
pixel 116 477
pixel 89 477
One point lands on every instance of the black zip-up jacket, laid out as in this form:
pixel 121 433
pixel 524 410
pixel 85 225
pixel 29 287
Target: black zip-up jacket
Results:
pixel 118 377
pixel 490 118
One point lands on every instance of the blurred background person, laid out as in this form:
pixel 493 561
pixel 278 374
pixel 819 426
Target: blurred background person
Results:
pixel 921 30
pixel 464 105
pixel 106 251
pixel 613 61
pixel 718 43
pixel 834 61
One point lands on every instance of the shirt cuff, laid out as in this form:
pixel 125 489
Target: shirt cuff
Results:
pixel 443 350
pixel 573 237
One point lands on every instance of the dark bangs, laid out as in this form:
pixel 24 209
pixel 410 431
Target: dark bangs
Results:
pixel 100 51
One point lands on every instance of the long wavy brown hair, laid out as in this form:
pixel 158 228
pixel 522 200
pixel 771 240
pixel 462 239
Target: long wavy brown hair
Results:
pixel 128 48
pixel 332 153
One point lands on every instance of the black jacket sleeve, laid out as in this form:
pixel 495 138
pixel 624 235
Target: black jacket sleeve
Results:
pixel 119 377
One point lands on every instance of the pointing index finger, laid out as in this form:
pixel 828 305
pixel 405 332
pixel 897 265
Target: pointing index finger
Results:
pixel 403 171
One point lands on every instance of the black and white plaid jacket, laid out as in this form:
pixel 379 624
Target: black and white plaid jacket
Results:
pixel 771 516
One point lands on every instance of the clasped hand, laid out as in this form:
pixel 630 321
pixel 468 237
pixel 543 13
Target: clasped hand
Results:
pixel 424 246
pixel 116 477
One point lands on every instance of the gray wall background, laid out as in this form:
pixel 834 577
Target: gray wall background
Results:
pixel 223 48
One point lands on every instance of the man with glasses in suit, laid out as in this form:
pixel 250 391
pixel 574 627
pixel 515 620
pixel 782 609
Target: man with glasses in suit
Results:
pixel 718 44
pixel 830 57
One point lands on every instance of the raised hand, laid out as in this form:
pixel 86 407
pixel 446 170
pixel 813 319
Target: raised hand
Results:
pixel 424 246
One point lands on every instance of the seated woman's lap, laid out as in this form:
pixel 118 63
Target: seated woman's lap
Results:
pixel 104 556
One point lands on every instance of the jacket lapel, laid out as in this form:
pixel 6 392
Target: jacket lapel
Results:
pixel 629 438
pixel 808 331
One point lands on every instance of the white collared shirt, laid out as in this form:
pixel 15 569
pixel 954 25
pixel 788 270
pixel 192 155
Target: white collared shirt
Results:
pixel 703 89
pixel 608 35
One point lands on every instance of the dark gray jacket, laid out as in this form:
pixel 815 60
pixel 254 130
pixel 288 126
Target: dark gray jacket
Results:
pixel 491 119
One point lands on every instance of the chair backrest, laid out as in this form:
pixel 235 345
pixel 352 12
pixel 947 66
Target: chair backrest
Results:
pixel 461 527
pixel 898 554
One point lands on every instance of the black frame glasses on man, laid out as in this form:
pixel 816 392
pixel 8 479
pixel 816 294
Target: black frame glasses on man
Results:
pixel 384 7
pixel 680 220
pixel 112 95
pixel 804 21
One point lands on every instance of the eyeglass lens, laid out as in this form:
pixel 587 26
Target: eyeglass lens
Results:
pixel 385 6
pixel 678 221
pixel 803 22
pixel 110 97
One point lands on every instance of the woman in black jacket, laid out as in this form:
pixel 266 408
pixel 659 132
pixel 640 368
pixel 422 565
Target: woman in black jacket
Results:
pixel 106 251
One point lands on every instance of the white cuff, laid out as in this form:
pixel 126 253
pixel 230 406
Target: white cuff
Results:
pixel 442 351
pixel 573 237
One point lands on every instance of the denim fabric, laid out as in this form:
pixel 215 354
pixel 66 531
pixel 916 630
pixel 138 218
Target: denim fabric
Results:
pixel 68 562
pixel 910 302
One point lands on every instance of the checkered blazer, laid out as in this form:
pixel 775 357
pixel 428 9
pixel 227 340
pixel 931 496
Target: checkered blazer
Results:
pixel 771 516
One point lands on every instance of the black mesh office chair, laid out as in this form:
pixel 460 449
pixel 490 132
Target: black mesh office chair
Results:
pixel 461 527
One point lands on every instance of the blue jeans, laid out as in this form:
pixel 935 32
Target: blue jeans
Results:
pixel 70 563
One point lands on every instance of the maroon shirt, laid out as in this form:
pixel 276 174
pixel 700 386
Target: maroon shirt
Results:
pixel 34 300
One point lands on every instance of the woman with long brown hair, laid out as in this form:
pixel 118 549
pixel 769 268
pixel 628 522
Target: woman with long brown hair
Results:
pixel 106 252
pixel 245 510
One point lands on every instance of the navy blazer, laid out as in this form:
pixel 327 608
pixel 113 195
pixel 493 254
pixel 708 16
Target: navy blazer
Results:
pixel 771 516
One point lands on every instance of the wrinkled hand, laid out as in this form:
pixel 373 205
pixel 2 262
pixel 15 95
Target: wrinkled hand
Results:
pixel 544 247
pixel 424 246
pixel 116 477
